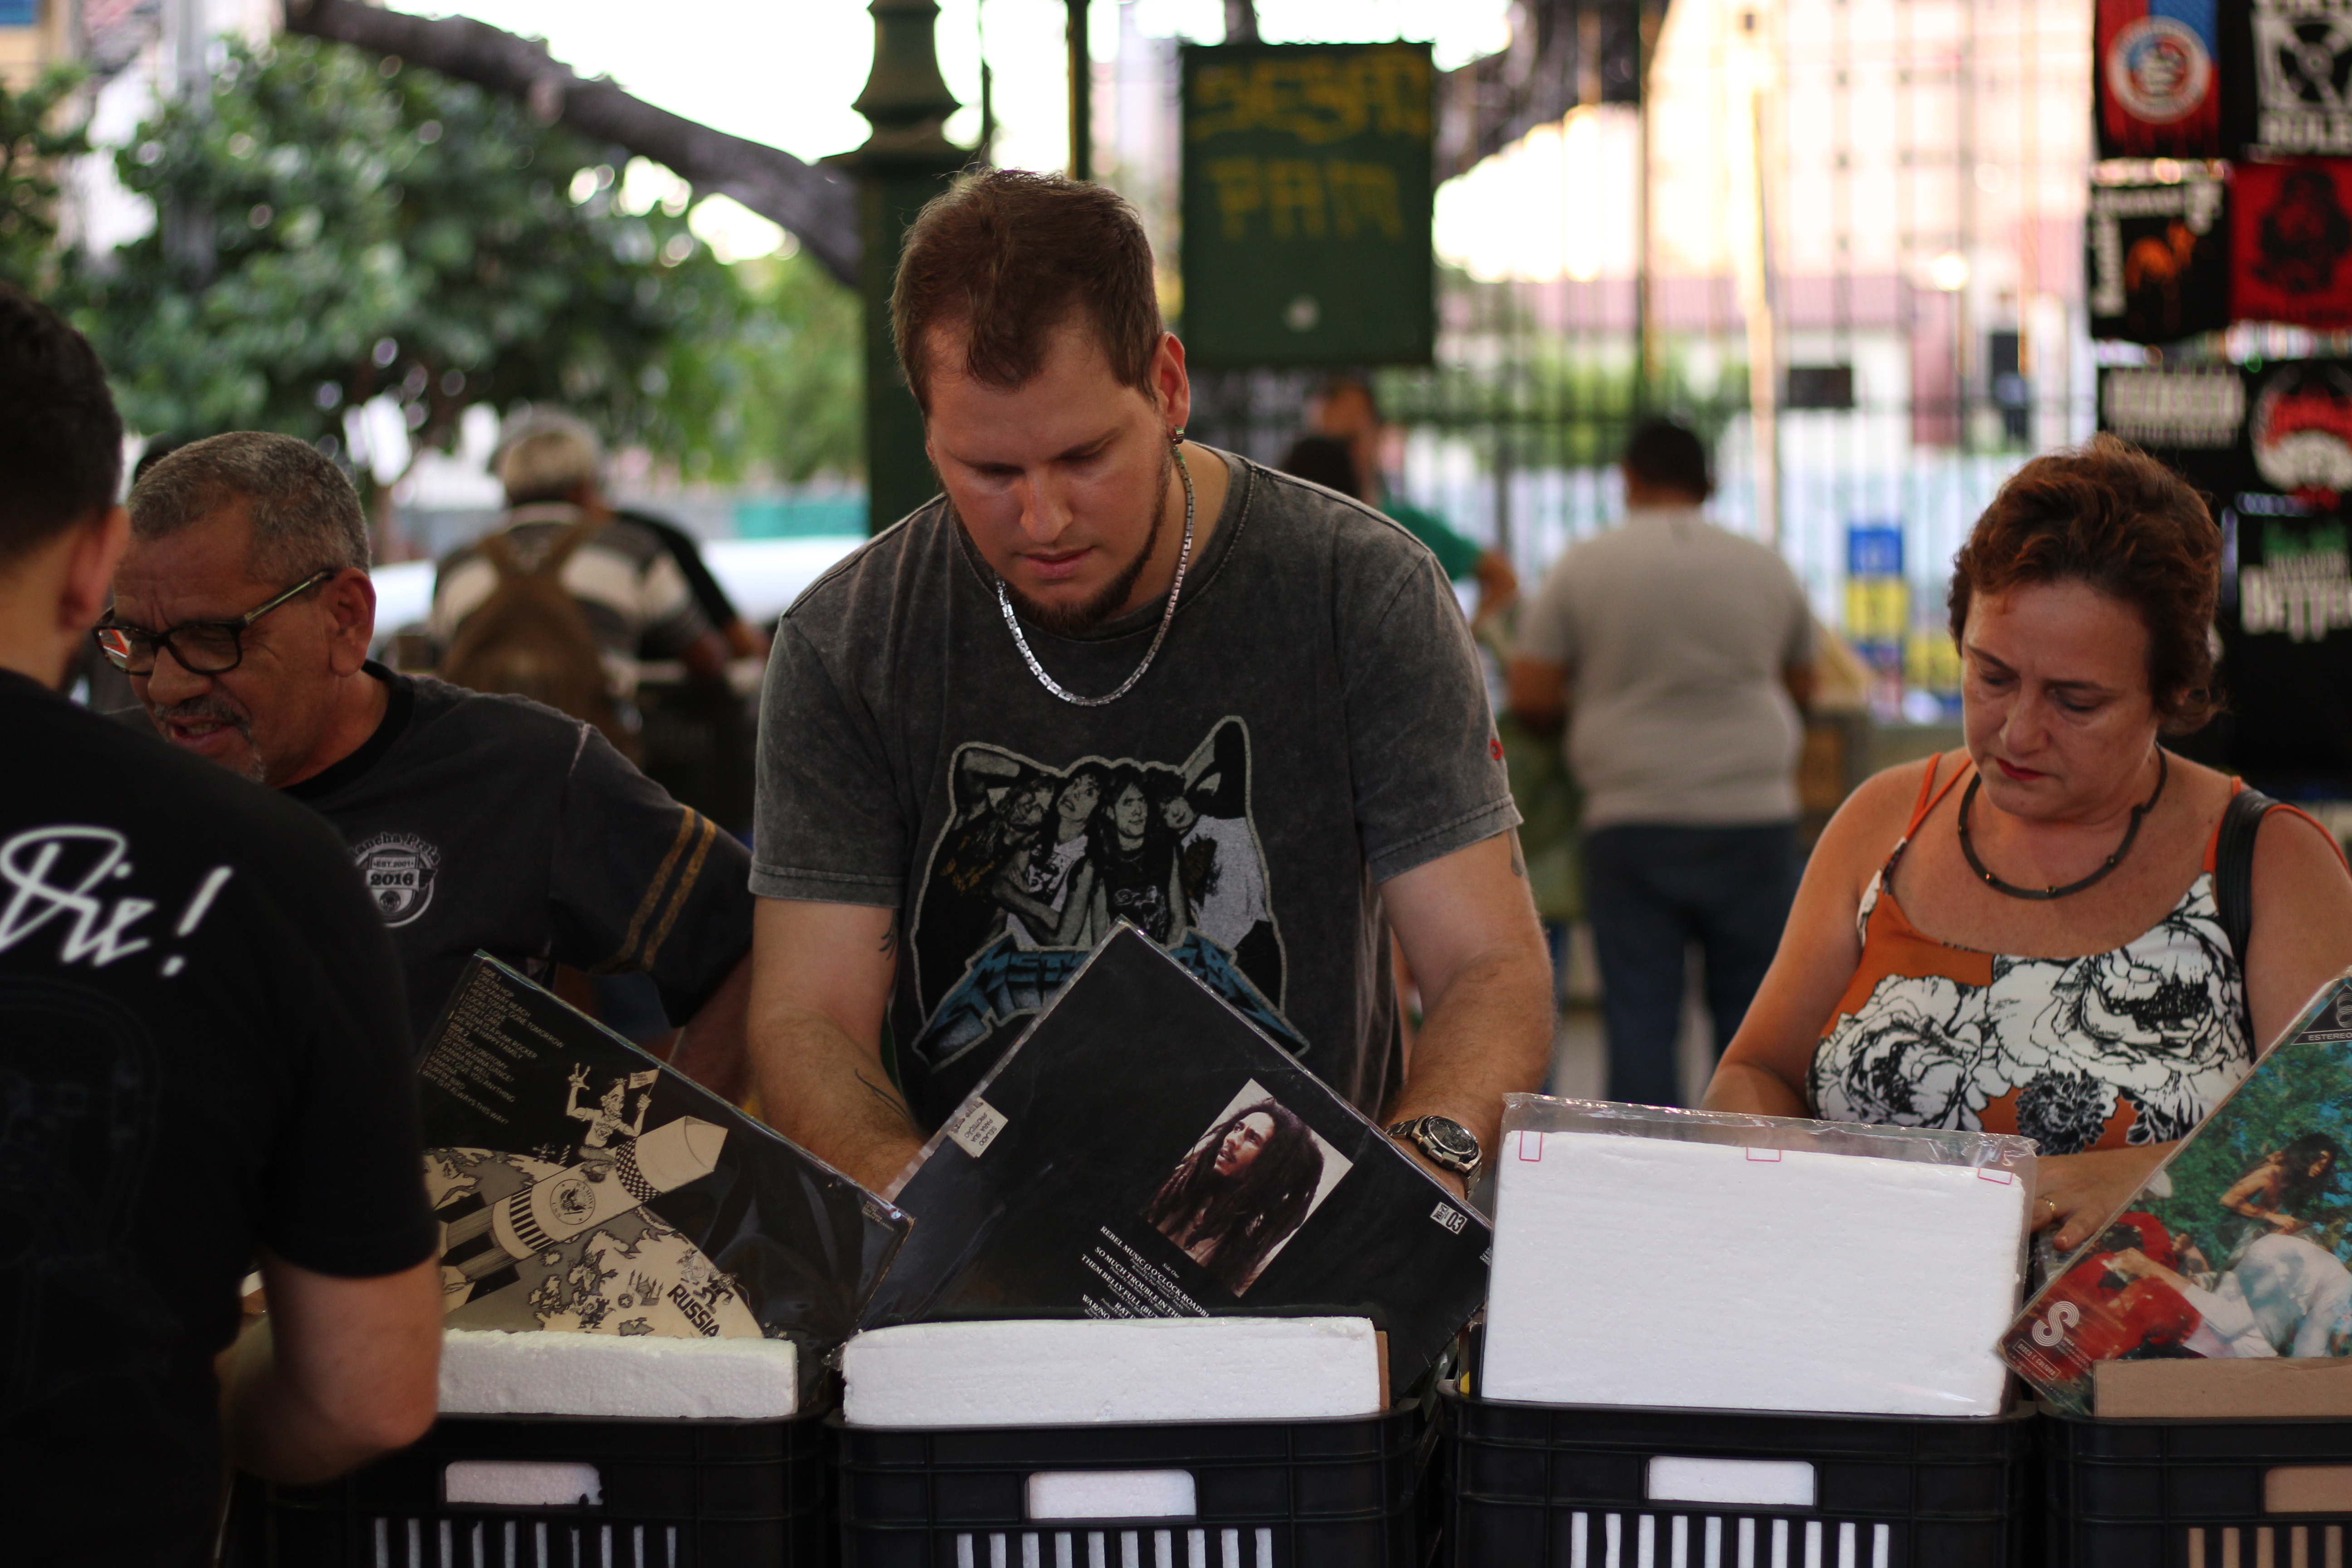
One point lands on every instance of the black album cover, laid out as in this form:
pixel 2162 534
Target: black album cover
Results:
pixel 1145 1152
pixel 583 1185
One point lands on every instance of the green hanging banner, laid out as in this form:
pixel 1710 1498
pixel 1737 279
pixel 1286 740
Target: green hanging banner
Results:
pixel 1307 189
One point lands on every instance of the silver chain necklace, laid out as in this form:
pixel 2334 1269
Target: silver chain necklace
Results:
pixel 1167 616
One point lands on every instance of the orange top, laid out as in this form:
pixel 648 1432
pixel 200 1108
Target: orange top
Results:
pixel 2132 1046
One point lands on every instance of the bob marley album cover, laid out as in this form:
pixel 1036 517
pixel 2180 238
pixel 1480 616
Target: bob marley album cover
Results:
pixel 2237 1246
pixel 1146 1152
pixel 582 1185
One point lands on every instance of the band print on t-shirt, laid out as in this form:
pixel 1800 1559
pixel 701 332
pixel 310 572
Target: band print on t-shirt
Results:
pixel 1037 865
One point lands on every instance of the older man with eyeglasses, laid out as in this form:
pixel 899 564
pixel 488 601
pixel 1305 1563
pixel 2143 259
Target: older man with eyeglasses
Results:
pixel 243 614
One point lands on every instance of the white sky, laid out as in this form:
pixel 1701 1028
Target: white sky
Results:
pixel 785 71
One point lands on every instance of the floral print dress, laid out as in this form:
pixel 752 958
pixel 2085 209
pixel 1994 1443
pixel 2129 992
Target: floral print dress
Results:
pixel 2132 1046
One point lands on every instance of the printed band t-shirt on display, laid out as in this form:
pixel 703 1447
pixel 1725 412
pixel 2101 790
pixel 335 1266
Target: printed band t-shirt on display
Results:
pixel 1315 725
pixel 494 822
pixel 202 1051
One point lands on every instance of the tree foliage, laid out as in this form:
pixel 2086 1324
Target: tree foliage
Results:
pixel 333 229
pixel 33 145
pixel 782 396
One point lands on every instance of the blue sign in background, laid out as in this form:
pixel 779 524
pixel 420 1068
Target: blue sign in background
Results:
pixel 1873 549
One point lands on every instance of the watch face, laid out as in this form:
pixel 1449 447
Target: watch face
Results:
pixel 1450 1136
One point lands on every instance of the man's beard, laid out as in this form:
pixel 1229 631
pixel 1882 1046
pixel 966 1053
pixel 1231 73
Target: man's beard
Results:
pixel 220 710
pixel 1076 620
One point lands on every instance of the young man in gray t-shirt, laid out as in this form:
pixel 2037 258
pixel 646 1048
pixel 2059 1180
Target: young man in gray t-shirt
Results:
pixel 1113 674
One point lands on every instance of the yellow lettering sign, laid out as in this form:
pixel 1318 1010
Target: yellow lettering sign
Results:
pixel 1306 198
pixel 1318 98
pixel 1240 192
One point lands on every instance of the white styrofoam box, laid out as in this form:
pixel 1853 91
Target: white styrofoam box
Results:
pixel 1050 1373
pixel 484 1373
pixel 1653 1271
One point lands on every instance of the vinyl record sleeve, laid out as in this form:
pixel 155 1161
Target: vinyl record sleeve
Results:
pixel 1145 1152
pixel 584 1187
pixel 2234 1248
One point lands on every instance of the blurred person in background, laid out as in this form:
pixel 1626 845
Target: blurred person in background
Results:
pixel 2034 934
pixel 203 1057
pixel 1678 655
pixel 743 641
pixel 499 604
pixel 692 736
pixel 244 613
pixel 1347 411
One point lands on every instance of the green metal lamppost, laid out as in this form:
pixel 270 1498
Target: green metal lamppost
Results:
pixel 907 161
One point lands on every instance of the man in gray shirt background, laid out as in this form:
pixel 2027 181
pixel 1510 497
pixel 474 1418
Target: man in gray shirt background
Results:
pixel 1680 655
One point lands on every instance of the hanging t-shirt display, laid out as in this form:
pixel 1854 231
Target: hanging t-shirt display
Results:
pixel 2291 242
pixel 2158 259
pixel 2159 89
pixel 2189 419
pixel 2287 65
pixel 2285 618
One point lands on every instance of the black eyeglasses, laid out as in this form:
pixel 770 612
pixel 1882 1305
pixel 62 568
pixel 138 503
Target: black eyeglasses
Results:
pixel 201 647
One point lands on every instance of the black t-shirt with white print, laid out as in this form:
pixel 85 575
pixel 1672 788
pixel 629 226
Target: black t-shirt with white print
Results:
pixel 1315 724
pixel 203 1050
pixel 495 823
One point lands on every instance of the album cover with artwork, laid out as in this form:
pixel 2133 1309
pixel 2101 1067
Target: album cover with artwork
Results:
pixel 583 1185
pixel 2236 1248
pixel 1144 1151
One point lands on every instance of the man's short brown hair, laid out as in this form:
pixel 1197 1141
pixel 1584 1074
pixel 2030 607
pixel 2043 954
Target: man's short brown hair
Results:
pixel 1009 255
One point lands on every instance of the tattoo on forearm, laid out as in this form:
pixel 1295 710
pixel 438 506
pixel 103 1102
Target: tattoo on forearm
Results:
pixel 884 1093
pixel 890 938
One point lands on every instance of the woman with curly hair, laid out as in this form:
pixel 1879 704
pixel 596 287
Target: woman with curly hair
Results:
pixel 1240 1192
pixel 2027 935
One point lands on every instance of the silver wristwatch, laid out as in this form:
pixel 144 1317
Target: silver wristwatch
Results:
pixel 1447 1144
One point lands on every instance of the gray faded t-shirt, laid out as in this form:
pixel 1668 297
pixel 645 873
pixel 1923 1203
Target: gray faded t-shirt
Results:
pixel 1315 725
pixel 1676 633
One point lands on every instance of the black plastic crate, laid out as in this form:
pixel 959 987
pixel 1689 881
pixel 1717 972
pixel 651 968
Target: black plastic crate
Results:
pixel 672 1494
pixel 2194 1494
pixel 1550 1486
pixel 1271 1494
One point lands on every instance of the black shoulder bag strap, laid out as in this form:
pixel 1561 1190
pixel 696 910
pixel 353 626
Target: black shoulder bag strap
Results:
pixel 2233 882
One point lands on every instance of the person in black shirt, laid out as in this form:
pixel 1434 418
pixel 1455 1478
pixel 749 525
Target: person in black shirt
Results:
pixel 477 821
pixel 202 1058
